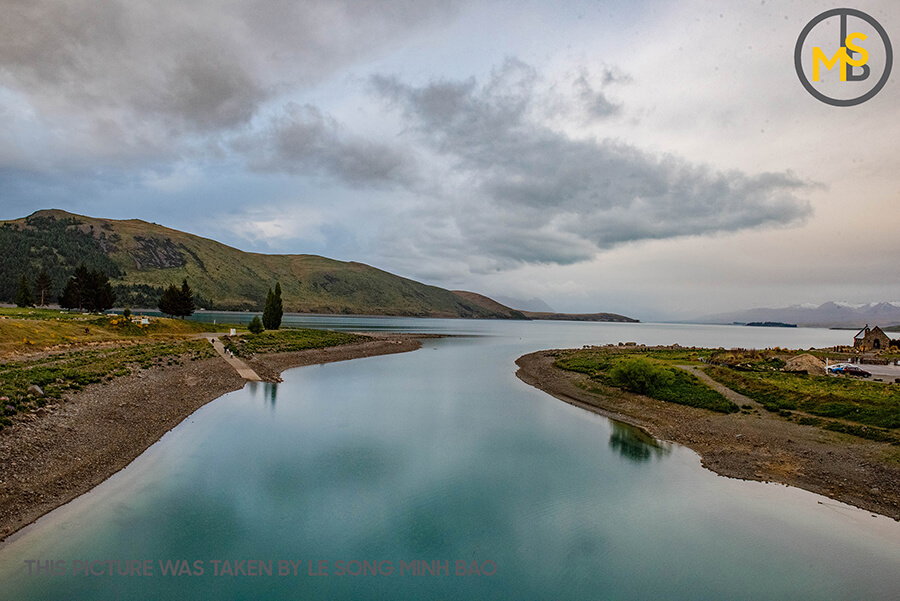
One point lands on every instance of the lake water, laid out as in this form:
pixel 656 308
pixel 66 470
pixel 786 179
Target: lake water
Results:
pixel 444 456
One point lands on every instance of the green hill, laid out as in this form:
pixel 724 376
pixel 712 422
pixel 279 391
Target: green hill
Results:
pixel 141 258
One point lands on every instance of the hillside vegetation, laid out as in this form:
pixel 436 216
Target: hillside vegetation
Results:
pixel 141 258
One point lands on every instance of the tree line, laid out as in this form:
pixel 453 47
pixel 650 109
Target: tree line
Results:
pixel 179 302
pixel 87 290
pixel 90 290
pixel 52 246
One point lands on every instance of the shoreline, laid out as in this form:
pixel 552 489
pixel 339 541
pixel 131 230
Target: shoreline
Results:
pixel 747 447
pixel 51 460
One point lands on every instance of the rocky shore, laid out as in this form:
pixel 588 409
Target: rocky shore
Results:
pixel 759 446
pixel 49 459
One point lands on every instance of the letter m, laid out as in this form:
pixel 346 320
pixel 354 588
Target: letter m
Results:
pixel 840 55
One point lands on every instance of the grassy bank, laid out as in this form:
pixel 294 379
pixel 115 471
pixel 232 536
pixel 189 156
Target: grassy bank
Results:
pixel 32 330
pixel 865 409
pixel 71 371
pixel 860 408
pixel 283 341
pixel 62 352
pixel 647 372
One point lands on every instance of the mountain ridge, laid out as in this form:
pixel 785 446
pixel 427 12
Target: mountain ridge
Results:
pixel 142 258
pixel 834 314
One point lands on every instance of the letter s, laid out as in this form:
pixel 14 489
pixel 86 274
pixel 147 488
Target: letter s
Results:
pixel 853 48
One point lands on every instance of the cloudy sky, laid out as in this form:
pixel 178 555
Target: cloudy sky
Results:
pixel 657 159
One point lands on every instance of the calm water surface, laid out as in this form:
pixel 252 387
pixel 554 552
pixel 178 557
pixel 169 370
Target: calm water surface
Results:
pixel 443 455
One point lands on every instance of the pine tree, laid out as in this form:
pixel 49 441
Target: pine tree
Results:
pixel 170 300
pixel 88 290
pixel 71 295
pixel 274 310
pixel 23 295
pixel 43 288
pixel 267 311
pixel 76 290
pixel 185 300
pixel 101 296
pixel 278 309
pixel 177 303
pixel 256 326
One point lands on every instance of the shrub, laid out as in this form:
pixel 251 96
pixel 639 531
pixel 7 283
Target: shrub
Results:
pixel 640 376
pixel 256 326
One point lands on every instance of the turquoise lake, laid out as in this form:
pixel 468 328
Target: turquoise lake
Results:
pixel 442 455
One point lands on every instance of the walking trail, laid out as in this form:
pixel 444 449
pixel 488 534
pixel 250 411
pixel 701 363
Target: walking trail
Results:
pixel 739 399
pixel 242 368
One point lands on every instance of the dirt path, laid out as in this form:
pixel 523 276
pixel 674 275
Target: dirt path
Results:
pixel 755 446
pixel 735 397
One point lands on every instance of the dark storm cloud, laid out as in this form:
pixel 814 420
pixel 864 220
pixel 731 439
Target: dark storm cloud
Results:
pixel 549 197
pixel 194 66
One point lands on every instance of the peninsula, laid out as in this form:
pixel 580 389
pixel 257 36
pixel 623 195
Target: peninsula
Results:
pixel 743 413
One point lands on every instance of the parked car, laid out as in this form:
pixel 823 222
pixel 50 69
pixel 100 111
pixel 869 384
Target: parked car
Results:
pixel 852 370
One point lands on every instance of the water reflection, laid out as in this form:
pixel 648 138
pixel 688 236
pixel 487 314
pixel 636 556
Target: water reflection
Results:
pixel 445 455
pixel 635 444
pixel 269 391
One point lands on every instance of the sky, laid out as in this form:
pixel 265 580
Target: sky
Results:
pixel 656 159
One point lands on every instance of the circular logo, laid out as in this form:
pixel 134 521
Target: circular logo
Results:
pixel 844 57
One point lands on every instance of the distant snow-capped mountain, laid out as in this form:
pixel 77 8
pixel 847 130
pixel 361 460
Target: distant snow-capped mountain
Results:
pixel 830 314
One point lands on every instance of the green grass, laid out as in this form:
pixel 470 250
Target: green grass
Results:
pixel 30 330
pixel 72 371
pixel 866 403
pixel 864 409
pixel 33 313
pixel 647 372
pixel 868 410
pixel 688 389
pixel 878 434
pixel 282 341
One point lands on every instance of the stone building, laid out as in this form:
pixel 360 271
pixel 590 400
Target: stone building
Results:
pixel 871 339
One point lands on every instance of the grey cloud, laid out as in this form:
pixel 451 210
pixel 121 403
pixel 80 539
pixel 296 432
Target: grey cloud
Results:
pixel 305 141
pixel 183 68
pixel 556 199
pixel 595 102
